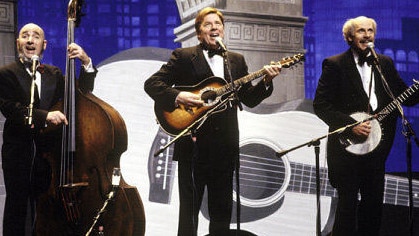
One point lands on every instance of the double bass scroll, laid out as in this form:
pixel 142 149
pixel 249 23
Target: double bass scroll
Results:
pixel 91 146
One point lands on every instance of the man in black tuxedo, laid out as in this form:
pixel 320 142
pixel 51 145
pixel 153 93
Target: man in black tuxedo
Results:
pixel 349 83
pixel 207 157
pixel 26 172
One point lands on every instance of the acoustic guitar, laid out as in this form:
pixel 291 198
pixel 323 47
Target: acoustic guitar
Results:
pixel 211 90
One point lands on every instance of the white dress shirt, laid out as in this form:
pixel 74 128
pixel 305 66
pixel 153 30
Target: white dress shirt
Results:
pixel 367 78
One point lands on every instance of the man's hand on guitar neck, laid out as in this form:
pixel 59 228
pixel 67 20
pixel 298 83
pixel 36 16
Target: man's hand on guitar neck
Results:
pixel 363 129
pixel 188 99
pixel 272 71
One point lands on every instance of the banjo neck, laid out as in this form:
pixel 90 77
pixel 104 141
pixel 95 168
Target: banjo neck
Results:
pixel 395 104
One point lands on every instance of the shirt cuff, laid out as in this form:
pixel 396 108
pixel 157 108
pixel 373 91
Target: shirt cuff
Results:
pixel 89 67
pixel 266 83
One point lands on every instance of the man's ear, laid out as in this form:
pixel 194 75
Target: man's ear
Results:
pixel 18 45
pixel 45 45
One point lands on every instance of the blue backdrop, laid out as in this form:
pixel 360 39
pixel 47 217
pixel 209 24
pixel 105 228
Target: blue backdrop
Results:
pixel 109 27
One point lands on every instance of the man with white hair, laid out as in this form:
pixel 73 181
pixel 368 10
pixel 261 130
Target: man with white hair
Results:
pixel 350 84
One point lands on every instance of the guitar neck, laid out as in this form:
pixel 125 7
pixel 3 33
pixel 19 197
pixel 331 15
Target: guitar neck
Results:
pixel 239 82
pixel 246 79
pixel 284 63
pixel 397 191
pixel 303 180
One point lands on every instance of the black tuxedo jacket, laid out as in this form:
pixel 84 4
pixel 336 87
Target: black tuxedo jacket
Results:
pixel 15 84
pixel 188 66
pixel 340 93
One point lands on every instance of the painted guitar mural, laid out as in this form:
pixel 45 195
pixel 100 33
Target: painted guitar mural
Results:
pixel 277 195
pixel 211 90
pixel 272 189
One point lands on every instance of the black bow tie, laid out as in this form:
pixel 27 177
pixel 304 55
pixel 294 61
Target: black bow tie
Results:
pixel 363 59
pixel 212 52
pixel 39 68
pixel 27 64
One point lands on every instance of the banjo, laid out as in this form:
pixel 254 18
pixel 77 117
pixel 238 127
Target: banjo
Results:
pixel 363 146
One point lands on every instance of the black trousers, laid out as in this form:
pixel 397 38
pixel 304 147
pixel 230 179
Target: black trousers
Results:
pixel 25 177
pixel 360 189
pixel 210 168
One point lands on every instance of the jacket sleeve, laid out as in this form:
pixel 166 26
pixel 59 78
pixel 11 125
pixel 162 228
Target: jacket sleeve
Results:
pixel 327 104
pixel 86 80
pixel 249 94
pixel 160 85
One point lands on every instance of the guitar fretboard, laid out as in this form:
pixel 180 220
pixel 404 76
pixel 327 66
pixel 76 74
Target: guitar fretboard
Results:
pixel 303 180
pixel 284 63
pixel 396 189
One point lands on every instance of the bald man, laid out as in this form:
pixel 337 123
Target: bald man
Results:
pixel 26 173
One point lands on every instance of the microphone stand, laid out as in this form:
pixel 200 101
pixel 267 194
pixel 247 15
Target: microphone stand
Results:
pixel 29 117
pixel 407 132
pixel 235 101
pixel 316 144
pixel 233 87
pixel 29 122
pixel 116 177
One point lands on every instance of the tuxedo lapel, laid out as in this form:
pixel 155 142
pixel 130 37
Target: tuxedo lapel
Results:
pixel 24 78
pixel 352 70
pixel 382 96
pixel 48 85
pixel 200 65
pixel 203 70
pixel 48 88
pixel 353 74
pixel 234 68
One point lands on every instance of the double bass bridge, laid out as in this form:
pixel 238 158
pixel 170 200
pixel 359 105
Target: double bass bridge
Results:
pixel 69 194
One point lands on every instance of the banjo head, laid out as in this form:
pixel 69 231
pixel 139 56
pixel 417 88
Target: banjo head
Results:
pixel 361 147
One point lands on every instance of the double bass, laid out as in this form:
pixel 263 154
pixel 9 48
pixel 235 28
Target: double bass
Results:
pixel 82 169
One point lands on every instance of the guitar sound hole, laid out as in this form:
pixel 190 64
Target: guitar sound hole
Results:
pixel 209 96
pixel 263 181
pixel 263 176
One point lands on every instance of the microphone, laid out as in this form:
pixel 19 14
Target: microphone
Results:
pixel 370 45
pixel 221 44
pixel 35 62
